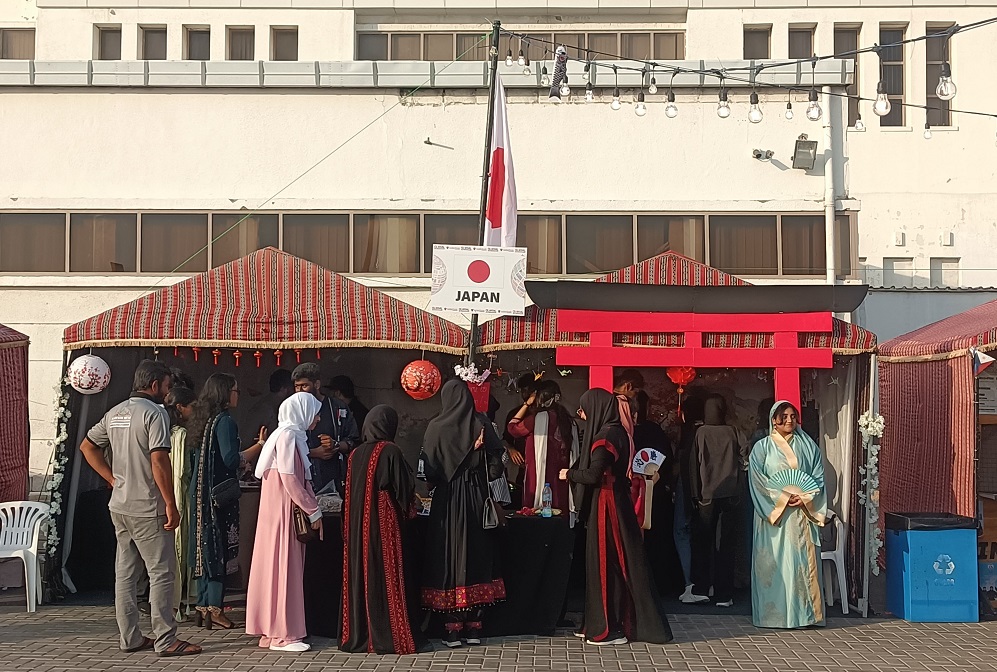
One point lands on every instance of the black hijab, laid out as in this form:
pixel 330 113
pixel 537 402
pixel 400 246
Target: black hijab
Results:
pixel 381 424
pixel 602 411
pixel 451 435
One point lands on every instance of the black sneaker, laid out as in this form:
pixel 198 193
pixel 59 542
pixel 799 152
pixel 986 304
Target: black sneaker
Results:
pixel 473 637
pixel 612 639
pixel 452 639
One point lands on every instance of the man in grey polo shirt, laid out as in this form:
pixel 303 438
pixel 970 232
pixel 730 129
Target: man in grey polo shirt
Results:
pixel 143 507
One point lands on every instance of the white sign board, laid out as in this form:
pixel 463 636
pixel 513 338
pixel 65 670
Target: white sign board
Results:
pixel 479 280
pixel 988 393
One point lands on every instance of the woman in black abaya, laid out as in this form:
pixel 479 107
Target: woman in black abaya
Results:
pixel 461 454
pixel 620 597
pixel 380 489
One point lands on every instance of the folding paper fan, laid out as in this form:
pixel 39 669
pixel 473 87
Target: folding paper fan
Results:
pixel 795 482
pixel 645 457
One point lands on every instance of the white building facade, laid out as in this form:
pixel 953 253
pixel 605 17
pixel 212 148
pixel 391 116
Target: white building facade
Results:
pixel 148 139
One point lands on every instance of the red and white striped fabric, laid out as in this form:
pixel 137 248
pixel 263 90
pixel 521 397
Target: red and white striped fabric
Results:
pixel 501 211
pixel 269 299
pixel 14 412
pixel 927 400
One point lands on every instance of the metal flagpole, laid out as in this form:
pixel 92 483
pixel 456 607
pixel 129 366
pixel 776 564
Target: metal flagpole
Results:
pixel 485 170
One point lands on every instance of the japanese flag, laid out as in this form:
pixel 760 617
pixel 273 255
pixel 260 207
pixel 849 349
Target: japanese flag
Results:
pixel 500 212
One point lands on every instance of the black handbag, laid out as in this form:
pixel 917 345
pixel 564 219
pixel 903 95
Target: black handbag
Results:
pixel 226 493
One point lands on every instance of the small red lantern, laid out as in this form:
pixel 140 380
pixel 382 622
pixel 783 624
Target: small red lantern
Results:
pixel 216 353
pixel 318 354
pixel 197 353
pixel 297 354
pixel 681 376
pixel 278 354
pixel 421 379
pixel 258 355
pixel 238 355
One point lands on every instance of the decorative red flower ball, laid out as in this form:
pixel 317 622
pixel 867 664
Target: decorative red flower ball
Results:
pixel 421 379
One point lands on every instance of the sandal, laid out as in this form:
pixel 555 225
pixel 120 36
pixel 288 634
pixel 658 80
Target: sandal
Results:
pixel 144 646
pixel 180 648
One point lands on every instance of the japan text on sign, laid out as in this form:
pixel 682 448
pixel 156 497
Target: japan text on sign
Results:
pixel 479 280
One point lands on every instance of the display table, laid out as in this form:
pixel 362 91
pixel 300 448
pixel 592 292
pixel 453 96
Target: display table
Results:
pixel 535 557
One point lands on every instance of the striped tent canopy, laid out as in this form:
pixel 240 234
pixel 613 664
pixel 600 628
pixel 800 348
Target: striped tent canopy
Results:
pixel 538 328
pixel 928 399
pixel 14 411
pixel 269 299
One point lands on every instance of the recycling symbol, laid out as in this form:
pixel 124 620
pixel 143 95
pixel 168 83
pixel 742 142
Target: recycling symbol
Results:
pixel 944 565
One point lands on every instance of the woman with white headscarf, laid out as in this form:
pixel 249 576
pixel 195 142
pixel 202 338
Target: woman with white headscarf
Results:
pixel 275 604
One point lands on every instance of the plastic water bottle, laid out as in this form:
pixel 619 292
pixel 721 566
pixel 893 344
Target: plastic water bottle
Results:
pixel 545 499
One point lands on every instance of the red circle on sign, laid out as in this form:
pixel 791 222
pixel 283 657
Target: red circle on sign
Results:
pixel 478 271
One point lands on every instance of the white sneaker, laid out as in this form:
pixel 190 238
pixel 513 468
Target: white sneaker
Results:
pixel 616 641
pixel 728 603
pixel 688 597
pixel 293 647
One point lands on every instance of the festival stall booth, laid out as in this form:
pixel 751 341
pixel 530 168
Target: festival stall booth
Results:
pixel 249 317
pixel 14 411
pixel 939 447
pixel 694 329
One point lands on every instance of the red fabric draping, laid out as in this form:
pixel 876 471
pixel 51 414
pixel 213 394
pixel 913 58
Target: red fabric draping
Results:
pixel 14 411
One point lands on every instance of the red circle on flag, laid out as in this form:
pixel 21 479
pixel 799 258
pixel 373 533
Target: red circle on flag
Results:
pixel 478 271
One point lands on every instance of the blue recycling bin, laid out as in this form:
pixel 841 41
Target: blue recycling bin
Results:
pixel 931 568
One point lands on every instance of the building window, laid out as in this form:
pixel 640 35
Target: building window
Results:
pixel 744 244
pixel 174 243
pixel 541 236
pixel 320 239
pixel 449 230
pixel 657 234
pixel 598 243
pixel 153 43
pixel 898 272
pixel 893 73
pixel 235 236
pixel 241 44
pixel 801 41
pixel 944 272
pixel 442 46
pixel 846 43
pixel 33 243
pixel 102 243
pixel 757 43
pixel 803 245
pixel 843 263
pixel 386 244
pixel 937 52
pixel 284 44
pixel 108 43
pixel 197 43
pixel 17 43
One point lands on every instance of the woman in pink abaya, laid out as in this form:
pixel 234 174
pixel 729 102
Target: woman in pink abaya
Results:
pixel 275 604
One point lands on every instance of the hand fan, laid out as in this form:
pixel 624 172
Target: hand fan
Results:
pixel 795 482
pixel 645 457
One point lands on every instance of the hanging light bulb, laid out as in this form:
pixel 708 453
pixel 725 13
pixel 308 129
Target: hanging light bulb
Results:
pixel 544 77
pixel 946 88
pixel 508 58
pixel 585 72
pixel 814 113
pixel 616 99
pixel 859 124
pixel 789 111
pixel 522 58
pixel 754 112
pixel 653 88
pixel 671 109
pixel 882 106
pixel 589 93
pixel 527 70
pixel 565 90
pixel 723 107
pixel 641 109
pixel 927 131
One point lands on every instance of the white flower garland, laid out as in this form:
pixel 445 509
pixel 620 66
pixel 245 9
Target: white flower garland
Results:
pixel 471 374
pixel 58 462
pixel 871 426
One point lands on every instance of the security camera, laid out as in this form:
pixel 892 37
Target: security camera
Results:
pixel 762 154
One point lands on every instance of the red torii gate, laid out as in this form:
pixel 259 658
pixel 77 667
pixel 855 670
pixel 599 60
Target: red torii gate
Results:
pixel 689 315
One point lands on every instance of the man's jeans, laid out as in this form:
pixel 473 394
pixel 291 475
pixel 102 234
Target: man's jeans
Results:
pixel 143 543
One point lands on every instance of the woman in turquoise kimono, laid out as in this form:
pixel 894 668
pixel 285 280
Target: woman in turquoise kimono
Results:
pixel 786 567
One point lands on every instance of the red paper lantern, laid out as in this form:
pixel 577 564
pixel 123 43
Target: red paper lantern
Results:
pixel 238 355
pixel 258 355
pixel 277 355
pixel 421 379
pixel 197 353
pixel 216 353
pixel 681 376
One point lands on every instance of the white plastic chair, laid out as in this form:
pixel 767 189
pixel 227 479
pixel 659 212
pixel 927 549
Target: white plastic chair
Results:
pixel 20 527
pixel 837 559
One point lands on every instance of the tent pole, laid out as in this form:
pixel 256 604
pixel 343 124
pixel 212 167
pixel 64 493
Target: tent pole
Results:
pixel 74 491
pixel 472 344
pixel 866 557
